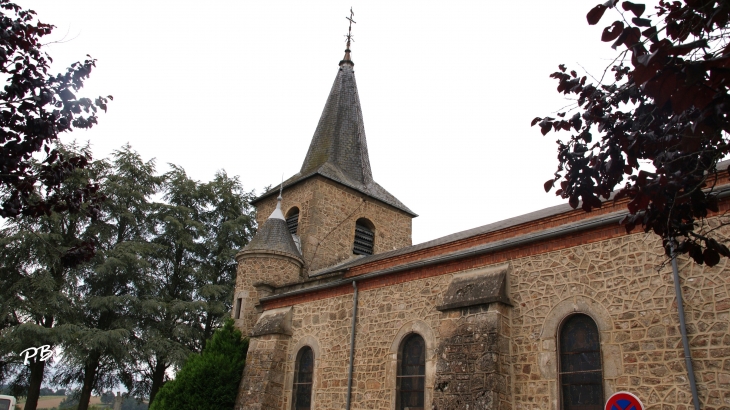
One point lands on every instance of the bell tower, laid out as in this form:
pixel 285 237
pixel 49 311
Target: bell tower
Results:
pixel 333 201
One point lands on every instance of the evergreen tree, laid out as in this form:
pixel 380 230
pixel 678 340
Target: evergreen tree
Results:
pixel 198 230
pixel 208 381
pixel 36 282
pixel 106 299
pixel 229 225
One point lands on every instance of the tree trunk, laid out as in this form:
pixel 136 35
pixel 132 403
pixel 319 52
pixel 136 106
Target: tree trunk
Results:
pixel 92 365
pixel 208 330
pixel 37 368
pixel 158 378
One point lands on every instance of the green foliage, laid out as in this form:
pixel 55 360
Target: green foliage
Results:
pixel 107 294
pixel 36 284
pixel 197 232
pixel 208 381
pixel 158 286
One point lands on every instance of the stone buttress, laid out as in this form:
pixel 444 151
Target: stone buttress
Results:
pixel 271 259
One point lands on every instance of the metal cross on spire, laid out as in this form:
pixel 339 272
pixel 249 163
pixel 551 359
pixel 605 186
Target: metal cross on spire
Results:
pixel 349 30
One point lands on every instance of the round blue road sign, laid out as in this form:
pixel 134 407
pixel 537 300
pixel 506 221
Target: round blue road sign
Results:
pixel 623 401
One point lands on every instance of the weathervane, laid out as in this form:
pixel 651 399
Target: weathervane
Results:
pixel 349 30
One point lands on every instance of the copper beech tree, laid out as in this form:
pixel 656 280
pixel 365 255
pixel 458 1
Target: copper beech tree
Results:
pixel 666 107
pixel 35 107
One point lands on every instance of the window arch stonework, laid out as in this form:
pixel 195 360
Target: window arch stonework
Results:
pixel 410 386
pixel 293 369
pixel 303 379
pixel 548 360
pixel 422 329
pixel 580 374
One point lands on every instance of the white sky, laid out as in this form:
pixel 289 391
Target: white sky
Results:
pixel 448 90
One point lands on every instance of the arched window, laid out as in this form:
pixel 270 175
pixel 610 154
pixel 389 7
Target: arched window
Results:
pixel 411 374
pixel 292 220
pixel 303 376
pixel 364 237
pixel 581 376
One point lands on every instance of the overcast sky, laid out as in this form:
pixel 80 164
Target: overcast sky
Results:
pixel 448 90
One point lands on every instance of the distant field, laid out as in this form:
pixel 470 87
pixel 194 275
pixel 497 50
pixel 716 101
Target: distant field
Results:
pixel 48 402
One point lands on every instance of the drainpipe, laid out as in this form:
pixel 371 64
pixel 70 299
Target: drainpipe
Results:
pixel 352 346
pixel 683 328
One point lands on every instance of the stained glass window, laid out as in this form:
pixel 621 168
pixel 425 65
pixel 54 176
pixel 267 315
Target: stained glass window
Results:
pixel 581 378
pixel 412 374
pixel 303 377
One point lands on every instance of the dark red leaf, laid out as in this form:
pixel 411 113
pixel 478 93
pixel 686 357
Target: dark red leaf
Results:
pixel 611 32
pixel 711 257
pixel 573 202
pixel 637 9
pixel 545 127
pixel 594 16
pixel 695 252
pixel 549 185
pixel 641 22
pixel 650 33
pixel 535 121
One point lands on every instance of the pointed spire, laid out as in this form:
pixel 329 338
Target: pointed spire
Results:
pixel 277 214
pixel 339 150
pixel 274 235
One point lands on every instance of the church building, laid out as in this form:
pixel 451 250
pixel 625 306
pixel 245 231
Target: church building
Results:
pixel 555 309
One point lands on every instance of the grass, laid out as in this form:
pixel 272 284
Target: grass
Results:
pixel 48 402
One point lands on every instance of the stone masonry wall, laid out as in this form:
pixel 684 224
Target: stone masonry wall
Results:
pixel 327 215
pixel 272 269
pixel 474 361
pixel 624 284
pixel 385 316
pixel 263 378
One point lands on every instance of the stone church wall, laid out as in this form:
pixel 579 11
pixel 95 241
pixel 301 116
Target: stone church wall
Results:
pixel 625 284
pixel 272 269
pixel 496 356
pixel 328 212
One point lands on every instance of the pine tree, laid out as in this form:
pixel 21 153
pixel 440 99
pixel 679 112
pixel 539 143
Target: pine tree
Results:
pixel 208 381
pixel 106 299
pixel 198 230
pixel 37 284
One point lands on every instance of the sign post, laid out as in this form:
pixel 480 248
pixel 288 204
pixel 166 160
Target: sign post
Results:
pixel 623 401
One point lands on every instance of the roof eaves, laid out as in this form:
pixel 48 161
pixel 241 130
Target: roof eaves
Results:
pixel 351 186
pixel 473 251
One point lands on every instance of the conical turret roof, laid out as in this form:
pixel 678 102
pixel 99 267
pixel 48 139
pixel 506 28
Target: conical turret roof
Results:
pixel 273 235
pixel 338 150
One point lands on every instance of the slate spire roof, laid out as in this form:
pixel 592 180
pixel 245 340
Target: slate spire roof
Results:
pixel 274 235
pixel 339 150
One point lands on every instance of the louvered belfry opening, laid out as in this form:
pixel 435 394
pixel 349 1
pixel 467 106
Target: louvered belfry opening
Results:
pixel 292 220
pixel 364 237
